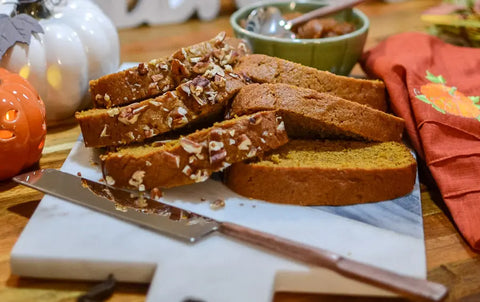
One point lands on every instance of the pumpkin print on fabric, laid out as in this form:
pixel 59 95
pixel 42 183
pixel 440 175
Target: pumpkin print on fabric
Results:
pixel 22 124
pixel 446 99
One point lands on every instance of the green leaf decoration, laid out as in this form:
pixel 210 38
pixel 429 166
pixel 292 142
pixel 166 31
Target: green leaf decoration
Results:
pixel 452 91
pixel 434 79
pixel 475 99
pixel 423 98
pixel 438 108
pixel 478 118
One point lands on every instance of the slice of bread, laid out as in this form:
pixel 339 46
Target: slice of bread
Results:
pixel 322 172
pixel 153 78
pixel 265 69
pixel 195 157
pixel 194 101
pixel 310 114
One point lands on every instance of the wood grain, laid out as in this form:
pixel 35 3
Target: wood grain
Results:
pixel 449 259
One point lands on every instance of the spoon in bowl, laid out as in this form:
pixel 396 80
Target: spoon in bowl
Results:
pixel 269 20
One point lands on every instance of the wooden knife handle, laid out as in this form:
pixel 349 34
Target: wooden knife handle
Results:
pixel 410 287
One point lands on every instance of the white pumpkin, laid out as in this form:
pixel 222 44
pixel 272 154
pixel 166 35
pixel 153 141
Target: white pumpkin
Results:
pixel 79 43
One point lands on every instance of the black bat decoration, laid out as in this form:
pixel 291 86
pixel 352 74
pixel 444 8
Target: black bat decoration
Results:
pixel 18 28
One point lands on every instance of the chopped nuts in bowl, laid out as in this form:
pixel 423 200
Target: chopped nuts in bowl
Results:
pixel 335 53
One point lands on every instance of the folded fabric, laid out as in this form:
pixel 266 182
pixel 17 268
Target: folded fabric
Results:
pixel 435 87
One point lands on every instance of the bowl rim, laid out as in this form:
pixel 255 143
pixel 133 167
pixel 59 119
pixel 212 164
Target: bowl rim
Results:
pixel 250 34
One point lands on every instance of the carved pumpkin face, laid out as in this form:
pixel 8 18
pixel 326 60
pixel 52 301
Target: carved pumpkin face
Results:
pixel 22 124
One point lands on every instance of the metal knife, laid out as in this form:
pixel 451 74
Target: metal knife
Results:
pixel 185 225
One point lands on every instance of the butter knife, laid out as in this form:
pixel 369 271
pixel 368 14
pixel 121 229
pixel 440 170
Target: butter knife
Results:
pixel 185 225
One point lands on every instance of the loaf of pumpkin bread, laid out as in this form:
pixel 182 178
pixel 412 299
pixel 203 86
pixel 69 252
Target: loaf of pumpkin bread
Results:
pixel 265 69
pixel 197 100
pixel 323 172
pixel 157 76
pixel 194 157
pixel 311 114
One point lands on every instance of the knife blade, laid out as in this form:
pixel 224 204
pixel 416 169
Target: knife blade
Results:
pixel 136 208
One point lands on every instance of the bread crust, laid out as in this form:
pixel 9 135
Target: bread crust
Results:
pixel 265 69
pixel 195 100
pixel 196 156
pixel 150 79
pixel 320 185
pixel 310 114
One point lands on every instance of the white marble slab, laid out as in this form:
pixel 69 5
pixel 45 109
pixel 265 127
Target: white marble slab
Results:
pixel 63 240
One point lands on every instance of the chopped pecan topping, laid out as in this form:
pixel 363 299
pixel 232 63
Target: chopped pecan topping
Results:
pixel 113 111
pixel 218 40
pixel 215 146
pixel 242 49
pixel 200 82
pixel 185 89
pixel 172 160
pixel 214 70
pixel 142 69
pixel 244 142
pixel 129 115
pixel 157 77
pixel 200 67
pixel 179 69
pixel 187 170
pixel 137 178
pixel 200 176
pixel 190 146
pixel 155 103
pixel 104 131
pixel 252 152
pixel 219 82
pixel 217 158
pixel 177 117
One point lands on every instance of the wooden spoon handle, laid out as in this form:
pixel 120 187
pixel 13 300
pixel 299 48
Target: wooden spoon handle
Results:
pixel 414 288
pixel 320 12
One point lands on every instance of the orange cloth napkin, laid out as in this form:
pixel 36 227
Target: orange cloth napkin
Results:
pixel 435 87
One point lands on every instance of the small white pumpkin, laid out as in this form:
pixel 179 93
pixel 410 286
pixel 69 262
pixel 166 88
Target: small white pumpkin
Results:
pixel 79 44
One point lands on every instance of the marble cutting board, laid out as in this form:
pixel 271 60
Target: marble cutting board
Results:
pixel 63 240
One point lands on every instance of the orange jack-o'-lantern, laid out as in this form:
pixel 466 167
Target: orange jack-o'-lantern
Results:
pixel 22 124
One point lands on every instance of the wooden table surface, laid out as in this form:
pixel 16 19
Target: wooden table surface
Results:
pixel 449 259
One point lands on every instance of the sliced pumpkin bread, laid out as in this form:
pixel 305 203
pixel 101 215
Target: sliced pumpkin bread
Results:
pixel 196 100
pixel 195 157
pixel 149 79
pixel 265 69
pixel 311 114
pixel 326 172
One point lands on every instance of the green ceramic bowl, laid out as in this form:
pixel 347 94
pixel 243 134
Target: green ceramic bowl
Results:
pixel 335 54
